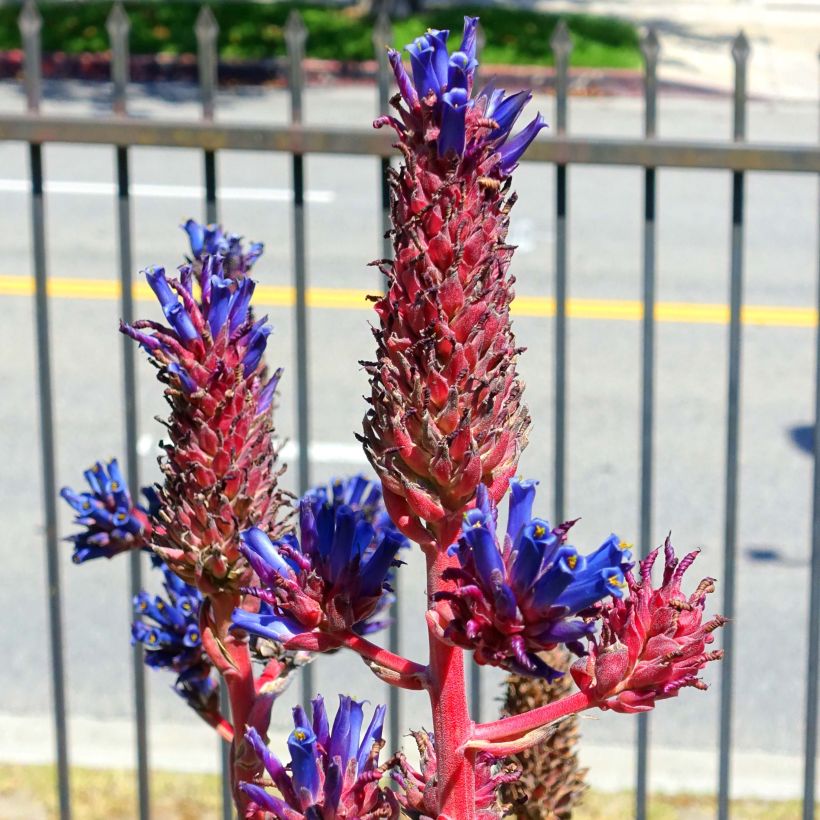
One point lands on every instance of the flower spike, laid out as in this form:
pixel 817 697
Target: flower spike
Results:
pixel 446 402
pixel 334 773
pixel 220 465
pixel 520 594
pixel 111 522
pixel 653 643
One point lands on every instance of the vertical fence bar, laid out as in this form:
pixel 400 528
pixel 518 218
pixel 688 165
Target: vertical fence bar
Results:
pixel 30 24
pixel 295 37
pixel 561 44
pixel 206 30
pixel 649 48
pixel 118 28
pixel 383 37
pixel 740 54
pixel 810 750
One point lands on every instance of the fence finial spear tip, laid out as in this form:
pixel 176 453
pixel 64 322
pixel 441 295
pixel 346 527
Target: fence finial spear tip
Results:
pixel 295 29
pixel 117 23
pixel 561 42
pixel 741 47
pixel 206 26
pixel 650 45
pixel 30 20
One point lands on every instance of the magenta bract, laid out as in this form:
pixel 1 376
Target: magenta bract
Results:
pixel 652 643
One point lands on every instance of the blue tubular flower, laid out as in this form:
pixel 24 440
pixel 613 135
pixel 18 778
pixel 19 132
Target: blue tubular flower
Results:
pixel 172 641
pixel 111 522
pixel 525 592
pixel 211 240
pixel 335 577
pixel 332 774
pixel 474 129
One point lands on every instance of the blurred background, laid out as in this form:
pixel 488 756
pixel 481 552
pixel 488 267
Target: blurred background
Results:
pixel 725 464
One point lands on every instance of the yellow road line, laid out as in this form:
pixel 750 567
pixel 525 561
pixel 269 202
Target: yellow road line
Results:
pixel 530 306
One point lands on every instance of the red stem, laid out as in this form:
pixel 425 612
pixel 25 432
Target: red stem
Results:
pixel 452 725
pixel 242 695
pixel 515 726
pixel 410 675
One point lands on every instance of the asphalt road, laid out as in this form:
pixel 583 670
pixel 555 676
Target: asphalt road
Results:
pixel 604 400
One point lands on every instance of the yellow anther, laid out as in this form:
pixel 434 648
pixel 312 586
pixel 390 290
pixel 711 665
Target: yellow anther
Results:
pixel 540 531
pixel 615 581
pixel 115 485
pixel 299 734
pixel 625 545
pixel 572 561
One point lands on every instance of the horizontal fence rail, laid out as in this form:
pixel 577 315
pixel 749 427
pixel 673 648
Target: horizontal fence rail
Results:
pixel 306 139
pixel 737 157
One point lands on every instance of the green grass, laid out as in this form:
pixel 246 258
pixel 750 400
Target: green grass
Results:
pixel 254 31
pixel 28 792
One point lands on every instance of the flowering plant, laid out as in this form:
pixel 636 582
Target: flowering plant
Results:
pixel 250 576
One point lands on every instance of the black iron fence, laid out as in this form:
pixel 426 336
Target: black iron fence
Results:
pixel 737 157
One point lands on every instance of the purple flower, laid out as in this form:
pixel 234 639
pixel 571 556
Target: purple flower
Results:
pixel 111 522
pixel 440 108
pixel 333 772
pixel 334 577
pixel 172 640
pixel 211 240
pixel 525 592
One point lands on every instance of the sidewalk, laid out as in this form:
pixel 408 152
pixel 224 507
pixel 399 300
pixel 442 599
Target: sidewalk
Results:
pixel 696 39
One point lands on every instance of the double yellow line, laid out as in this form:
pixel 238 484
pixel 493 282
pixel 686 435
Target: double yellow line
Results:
pixel 524 306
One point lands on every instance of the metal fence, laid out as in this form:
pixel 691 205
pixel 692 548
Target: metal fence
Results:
pixel 649 153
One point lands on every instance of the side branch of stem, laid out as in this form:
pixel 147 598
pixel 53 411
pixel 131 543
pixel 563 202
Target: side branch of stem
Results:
pixel 516 727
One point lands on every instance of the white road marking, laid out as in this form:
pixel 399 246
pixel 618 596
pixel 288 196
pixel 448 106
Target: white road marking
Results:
pixel 158 191
pixel 326 452
pixel 319 452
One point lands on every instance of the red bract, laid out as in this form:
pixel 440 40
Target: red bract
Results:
pixel 446 401
pixel 653 643
pixel 417 790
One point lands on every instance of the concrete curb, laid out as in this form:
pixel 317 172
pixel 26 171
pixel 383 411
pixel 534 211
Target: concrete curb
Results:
pixel 192 747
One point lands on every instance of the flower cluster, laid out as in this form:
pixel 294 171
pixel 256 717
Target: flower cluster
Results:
pixel 446 402
pixel 652 643
pixel 220 466
pixel 111 522
pixel 417 789
pixel 440 112
pixel 173 641
pixel 333 578
pixel 523 593
pixel 334 773
pixel 211 241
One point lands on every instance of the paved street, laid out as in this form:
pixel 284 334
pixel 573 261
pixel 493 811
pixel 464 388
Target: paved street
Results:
pixel 343 227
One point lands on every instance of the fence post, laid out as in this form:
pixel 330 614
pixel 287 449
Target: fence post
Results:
pixel 810 751
pixel 31 23
pixel 382 39
pixel 206 30
pixel 118 27
pixel 650 48
pixel 561 44
pixel 740 55
pixel 295 37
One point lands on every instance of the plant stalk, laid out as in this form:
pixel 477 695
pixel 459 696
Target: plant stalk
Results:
pixel 452 725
